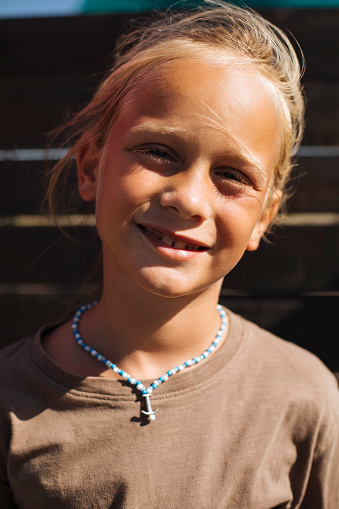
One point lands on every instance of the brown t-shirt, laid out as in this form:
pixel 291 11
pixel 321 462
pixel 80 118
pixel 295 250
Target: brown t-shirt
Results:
pixel 255 426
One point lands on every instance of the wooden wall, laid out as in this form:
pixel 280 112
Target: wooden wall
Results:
pixel 291 286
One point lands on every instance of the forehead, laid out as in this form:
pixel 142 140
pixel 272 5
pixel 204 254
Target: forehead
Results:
pixel 229 99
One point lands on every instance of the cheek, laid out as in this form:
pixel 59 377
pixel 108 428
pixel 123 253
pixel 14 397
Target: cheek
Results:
pixel 121 191
pixel 237 218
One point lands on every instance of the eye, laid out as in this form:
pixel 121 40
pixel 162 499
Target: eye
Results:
pixel 233 176
pixel 155 153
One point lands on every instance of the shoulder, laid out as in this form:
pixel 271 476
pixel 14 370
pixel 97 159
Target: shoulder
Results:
pixel 289 382
pixel 21 355
pixel 20 371
pixel 15 368
pixel 14 380
pixel 285 365
pixel 13 355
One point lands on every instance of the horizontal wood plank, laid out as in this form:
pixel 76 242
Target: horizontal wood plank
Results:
pixel 46 255
pixel 23 52
pixel 299 259
pixel 315 185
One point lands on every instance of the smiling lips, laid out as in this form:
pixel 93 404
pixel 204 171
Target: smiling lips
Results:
pixel 174 243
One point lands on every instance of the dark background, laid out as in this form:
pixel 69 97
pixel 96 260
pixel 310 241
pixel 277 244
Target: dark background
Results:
pixel 49 67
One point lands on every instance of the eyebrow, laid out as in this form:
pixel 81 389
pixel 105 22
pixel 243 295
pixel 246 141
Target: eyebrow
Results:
pixel 251 161
pixel 155 129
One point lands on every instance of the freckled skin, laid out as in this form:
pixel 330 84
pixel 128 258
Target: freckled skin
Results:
pixel 192 154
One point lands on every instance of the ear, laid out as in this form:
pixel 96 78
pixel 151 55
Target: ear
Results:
pixel 87 169
pixel 267 216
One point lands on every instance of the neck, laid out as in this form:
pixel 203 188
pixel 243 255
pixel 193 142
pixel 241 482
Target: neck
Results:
pixel 146 334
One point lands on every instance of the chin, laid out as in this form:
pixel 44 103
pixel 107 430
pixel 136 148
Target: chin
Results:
pixel 173 286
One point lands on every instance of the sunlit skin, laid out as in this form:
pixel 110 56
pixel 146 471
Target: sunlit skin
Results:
pixel 180 188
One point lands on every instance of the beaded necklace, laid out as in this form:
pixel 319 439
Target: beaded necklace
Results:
pixel 146 392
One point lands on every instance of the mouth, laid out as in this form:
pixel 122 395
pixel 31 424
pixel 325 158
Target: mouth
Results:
pixel 174 242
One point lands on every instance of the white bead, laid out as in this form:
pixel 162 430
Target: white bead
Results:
pixel 151 417
pixel 140 387
pixel 165 377
pixel 133 381
pixel 149 390
pixel 116 369
pixel 125 375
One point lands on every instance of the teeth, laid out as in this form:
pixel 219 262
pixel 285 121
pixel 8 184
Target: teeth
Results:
pixel 168 240
pixel 179 244
pixel 176 244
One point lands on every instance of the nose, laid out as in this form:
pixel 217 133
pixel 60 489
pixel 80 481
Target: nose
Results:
pixel 187 196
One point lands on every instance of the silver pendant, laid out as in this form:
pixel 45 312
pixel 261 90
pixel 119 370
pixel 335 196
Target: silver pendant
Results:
pixel 150 413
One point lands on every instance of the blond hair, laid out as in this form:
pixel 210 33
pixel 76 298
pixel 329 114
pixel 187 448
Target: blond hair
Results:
pixel 173 35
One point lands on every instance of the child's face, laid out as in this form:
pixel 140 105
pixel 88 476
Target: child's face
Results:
pixel 182 179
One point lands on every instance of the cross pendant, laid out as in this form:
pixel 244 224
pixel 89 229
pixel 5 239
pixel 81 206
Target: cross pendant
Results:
pixel 150 413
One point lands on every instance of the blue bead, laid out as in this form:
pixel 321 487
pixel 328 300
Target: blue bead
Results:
pixel 144 391
pixel 169 372
pixel 154 385
pixel 161 379
pixel 121 372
